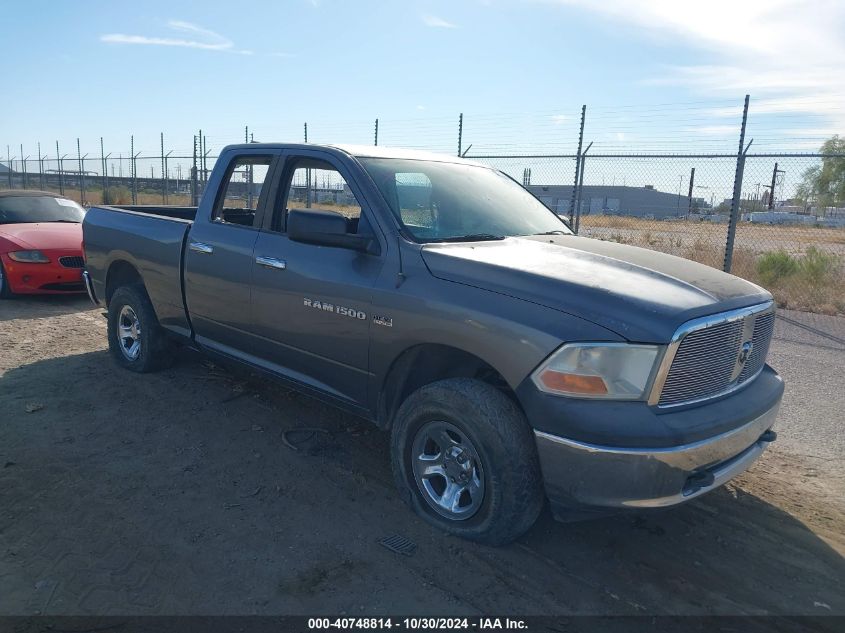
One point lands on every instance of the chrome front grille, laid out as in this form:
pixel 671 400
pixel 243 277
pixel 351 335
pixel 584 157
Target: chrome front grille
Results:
pixel 714 355
pixel 764 324
pixel 72 261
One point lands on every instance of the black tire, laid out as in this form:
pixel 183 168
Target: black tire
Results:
pixel 500 435
pixel 155 350
pixel 5 290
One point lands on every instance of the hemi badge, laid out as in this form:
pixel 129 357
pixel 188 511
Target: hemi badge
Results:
pixel 383 320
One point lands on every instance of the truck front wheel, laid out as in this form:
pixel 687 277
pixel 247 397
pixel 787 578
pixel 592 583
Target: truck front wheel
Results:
pixel 136 340
pixel 464 459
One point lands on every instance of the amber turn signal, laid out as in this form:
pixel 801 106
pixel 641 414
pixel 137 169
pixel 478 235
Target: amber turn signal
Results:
pixel 573 383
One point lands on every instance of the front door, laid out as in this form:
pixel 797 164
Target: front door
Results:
pixel 311 304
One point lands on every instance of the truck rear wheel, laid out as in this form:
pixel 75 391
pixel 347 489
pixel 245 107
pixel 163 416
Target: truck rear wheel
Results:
pixel 465 460
pixel 136 340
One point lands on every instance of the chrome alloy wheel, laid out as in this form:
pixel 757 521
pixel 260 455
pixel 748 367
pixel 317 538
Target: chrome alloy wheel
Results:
pixel 129 333
pixel 448 470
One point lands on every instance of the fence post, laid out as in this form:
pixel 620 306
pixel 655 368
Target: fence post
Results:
pixel 40 168
pixel 163 182
pixel 23 168
pixel 580 189
pixel 9 165
pixel 737 192
pixel 194 184
pixel 689 195
pixel 61 171
pixel 132 169
pixel 460 131
pixel 577 167
pixel 104 174
pixel 375 142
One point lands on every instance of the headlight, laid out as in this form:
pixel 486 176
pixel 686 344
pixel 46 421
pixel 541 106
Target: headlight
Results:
pixel 618 371
pixel 29 257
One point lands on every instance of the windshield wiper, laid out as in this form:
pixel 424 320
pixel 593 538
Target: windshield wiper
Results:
pixel 556 232
pixel 472 237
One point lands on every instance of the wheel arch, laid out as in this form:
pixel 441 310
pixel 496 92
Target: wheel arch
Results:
pixel 121 272
pixel 424 363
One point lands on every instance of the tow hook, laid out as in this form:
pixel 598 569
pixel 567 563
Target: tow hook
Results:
pixel 698 481
pixel 768 436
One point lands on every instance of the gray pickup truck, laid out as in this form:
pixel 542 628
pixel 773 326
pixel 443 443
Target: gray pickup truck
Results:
pixel 510 360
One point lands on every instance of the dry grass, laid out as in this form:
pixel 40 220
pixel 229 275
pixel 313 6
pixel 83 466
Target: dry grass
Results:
pixel 704 242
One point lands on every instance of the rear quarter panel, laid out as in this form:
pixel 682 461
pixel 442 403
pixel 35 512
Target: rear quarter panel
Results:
pixel 152 245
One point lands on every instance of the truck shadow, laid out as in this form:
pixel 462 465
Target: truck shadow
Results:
pixel 172 477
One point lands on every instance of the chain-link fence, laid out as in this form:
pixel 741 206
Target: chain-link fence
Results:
pixel 787 237
pixel 777 219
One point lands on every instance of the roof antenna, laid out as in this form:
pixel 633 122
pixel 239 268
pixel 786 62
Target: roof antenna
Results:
pixel 401 276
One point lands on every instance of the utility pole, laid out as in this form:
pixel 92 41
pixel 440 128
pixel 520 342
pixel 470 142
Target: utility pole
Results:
pixel 775 173
pixel 375 142
pixel 305 125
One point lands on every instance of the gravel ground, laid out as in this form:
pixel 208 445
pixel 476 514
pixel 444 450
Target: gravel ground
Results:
pixel 175 493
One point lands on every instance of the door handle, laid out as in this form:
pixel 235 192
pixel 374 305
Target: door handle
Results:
pixel 200 247
pixel 271 262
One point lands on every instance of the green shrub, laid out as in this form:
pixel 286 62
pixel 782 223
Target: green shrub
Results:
pixel 817 266
pixel 776 266
pixel 117 195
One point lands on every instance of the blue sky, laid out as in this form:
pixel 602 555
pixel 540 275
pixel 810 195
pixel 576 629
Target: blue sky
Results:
pixel 656 74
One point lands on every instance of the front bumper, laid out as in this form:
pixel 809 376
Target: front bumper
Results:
pixel 590 476
pixel 48 278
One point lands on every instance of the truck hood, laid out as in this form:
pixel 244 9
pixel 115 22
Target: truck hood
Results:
pixel 640 294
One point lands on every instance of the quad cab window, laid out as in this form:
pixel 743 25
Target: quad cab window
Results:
pixel 242 190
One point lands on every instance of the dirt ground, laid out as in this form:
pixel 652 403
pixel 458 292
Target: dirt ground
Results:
pixel 175 493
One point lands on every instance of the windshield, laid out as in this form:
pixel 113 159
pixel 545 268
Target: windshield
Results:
pixel 21 209
pixel 439 202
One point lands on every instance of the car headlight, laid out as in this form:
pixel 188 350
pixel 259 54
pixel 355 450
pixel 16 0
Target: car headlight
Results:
pixel 29 257
pixel 618 371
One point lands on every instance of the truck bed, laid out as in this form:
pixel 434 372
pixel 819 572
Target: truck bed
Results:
pixel 172 212
pixel 151 240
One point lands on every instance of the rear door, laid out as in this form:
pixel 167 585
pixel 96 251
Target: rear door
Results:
pixel 311 304
pixel 219 253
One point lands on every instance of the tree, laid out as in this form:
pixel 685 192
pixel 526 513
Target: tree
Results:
pixel 824 185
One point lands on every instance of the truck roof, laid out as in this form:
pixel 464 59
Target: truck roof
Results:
pixel 364 151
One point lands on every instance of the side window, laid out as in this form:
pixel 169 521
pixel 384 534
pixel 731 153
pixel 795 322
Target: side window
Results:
pixel 317 185
pixel 413 191
pixel 242 190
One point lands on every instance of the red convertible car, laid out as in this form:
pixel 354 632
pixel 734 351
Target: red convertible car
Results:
pixel 40 243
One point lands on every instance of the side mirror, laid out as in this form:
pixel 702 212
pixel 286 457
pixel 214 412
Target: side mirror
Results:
pixel 325 228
